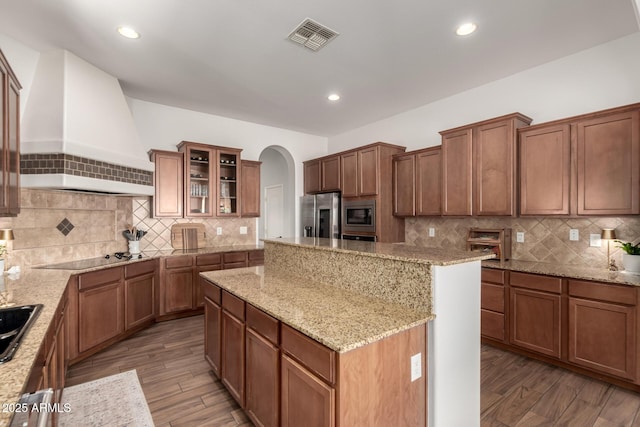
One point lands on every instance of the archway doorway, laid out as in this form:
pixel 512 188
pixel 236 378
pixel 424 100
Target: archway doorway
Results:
pixel 277 170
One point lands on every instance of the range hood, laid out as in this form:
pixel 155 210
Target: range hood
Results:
pixel 77 131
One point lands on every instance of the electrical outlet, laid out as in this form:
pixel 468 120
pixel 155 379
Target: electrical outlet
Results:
pixel 595 240
pixel 416 366
pixel 243 230
pixel 219 231
pixel 520 237
pixel 432 232
pixel 574 235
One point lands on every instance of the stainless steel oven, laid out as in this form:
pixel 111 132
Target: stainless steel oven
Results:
pixel 358 216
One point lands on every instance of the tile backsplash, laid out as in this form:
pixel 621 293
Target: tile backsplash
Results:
pixel 545 239
pixel 57 226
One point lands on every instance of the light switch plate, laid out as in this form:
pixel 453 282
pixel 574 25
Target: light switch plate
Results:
pixel 219 231
pixel 520 237
pixel 595 240
pixel 574 235
pixel 243 230
pixel 416 366
pixel 432 232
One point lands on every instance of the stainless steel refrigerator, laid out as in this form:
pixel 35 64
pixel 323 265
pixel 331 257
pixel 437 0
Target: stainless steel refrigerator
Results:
pixel 320 215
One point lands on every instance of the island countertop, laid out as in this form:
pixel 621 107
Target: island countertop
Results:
pixel 391 251
pixel 338 318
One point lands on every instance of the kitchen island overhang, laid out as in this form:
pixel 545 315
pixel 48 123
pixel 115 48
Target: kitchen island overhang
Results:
pixel 365 293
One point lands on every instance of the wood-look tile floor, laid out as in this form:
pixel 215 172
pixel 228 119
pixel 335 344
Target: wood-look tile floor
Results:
pixel 516 391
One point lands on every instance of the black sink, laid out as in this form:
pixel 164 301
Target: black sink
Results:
pixel 14 323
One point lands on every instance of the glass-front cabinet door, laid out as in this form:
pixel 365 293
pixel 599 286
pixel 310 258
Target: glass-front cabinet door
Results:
pixel 200 174
pixel 228 164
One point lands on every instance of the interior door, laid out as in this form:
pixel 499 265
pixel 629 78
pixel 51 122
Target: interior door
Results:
pixel 273 211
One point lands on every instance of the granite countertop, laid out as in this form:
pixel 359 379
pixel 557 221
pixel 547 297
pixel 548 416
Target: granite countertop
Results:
pixel 571 272
pixel 340 319
pixel 394 251
pixel 45 285
pixel 89 264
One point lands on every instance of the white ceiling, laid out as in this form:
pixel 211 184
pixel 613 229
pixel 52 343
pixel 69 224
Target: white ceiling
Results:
pixel 232 57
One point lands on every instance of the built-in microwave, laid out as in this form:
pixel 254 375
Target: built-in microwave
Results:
pixel 358 216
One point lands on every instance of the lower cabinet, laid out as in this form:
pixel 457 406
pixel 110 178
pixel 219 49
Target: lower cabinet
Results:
pixel 536 313
pixel 176 292
pixel 282 377
pixel 492 307
pixel 100 307
pixel 232 347
pixel 140 284
pixel 306 400
pixel 602 328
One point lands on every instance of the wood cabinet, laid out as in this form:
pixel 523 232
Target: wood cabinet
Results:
pixel 306 400
pixel 545 170
pixel 262 363
pixel 100 307
pixel 250 189
pixel 176 290
pixel 582 165
pixel 608 164
pixel 200 180
pixel 168 183
pixel 213 324
pixel 10 140
pixel 205 262
pixel 233 346
pixel 140 288
pixel 360 172
pixel 492 304
pixel 291 379
pixel 229 183
pixel 536 313
pixel 479 167
pixel 330 173
pixel 417 183
pixel 602 328
pixel 311 176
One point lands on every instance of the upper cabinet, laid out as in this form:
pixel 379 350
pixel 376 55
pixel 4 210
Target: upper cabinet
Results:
pixel 203 180
pixel 417 183
pixel 250 190
pixel 479 167
pixel 10 136
pixel 322 175
pixel 584 165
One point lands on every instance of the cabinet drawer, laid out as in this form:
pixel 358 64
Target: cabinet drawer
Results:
pixel 492 297
pixel 262 323
pixel 256 255
pixel 316 357
pixel 536 282
pixel 492 324
pixel 209 259
pixel 139 268
pixel 211 291
pixel 603 292
pixel 233 305
pixel 97 278
pixel 230 257
pixel 178 261
pixel 493 276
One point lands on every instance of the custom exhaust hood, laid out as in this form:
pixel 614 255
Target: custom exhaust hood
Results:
pixel 77 132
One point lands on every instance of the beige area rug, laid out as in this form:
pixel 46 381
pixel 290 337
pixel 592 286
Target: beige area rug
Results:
pixel 116 400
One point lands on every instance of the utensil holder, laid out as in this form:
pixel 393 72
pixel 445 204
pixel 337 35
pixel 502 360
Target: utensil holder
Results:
pixel 134 246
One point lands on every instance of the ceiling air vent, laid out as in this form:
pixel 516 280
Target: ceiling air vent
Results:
pixel 312 35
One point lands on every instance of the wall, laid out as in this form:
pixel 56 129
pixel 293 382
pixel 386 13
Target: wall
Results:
pixel 97 222
pixel 275 171
pixel 601 77
pixel 546 239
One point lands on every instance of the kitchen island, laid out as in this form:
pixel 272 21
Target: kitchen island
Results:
pixel 354 298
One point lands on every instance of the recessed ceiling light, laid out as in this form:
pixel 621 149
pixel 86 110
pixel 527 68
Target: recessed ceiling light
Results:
pixel 466 29
pixel 128 32
pixel 333 97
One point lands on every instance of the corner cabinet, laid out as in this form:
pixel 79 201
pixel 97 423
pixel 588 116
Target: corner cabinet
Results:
pixel 10 136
